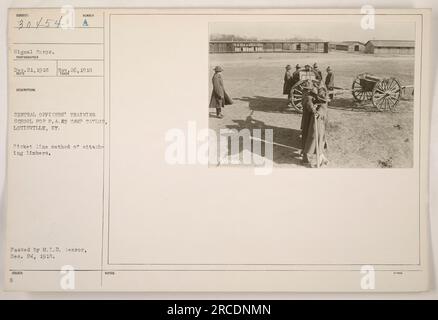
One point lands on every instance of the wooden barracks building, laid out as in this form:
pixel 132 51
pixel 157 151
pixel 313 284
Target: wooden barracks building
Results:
pixel 390 47
pixel 268 46
pixel 348 46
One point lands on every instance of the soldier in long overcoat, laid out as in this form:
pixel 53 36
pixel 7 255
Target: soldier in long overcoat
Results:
pixel 219 97
pixel 296 75
pixel 287 80
pixel 330 81
pixel 314 103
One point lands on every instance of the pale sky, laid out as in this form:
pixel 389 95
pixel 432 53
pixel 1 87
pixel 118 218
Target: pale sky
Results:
pixel 339 30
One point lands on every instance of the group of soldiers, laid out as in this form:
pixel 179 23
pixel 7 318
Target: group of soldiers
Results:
pixel 292 78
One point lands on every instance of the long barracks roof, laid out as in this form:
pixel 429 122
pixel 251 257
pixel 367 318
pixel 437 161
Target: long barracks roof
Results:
pixel 352 42
pixel 346 43
pixel 392 43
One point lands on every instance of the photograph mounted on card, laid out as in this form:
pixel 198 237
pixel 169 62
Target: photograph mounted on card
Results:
pixel 244 150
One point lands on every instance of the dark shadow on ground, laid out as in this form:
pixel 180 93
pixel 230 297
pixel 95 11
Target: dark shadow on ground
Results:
pixel 279 105
pixel 267 104
pixel 349 104
pixel 286 142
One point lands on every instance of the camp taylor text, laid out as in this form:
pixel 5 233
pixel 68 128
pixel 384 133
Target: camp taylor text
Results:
pixel 206 147
pixel 220 309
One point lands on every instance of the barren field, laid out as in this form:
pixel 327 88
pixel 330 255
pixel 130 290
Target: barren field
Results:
pixel 358 134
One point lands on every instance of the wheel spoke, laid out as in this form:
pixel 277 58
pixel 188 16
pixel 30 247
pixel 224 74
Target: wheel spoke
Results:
pixel 391 85
pixel 392 100
pixel 392 96
pixel 379 90
pixel 381 87
pixel 378 96
pixel 390 103
pixel 379 100
pixel 395 90
pixel 386 104
pixel 381 105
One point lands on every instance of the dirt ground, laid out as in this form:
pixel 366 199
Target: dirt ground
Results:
pixel 358 134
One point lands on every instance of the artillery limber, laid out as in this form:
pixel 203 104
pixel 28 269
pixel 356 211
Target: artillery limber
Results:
pixel 384 93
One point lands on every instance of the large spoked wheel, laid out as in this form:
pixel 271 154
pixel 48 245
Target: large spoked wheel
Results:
pixel 386 94
pixel 297 94
pixel 360 92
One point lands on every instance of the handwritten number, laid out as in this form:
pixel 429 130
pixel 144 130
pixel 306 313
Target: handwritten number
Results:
pixel 41 23
pixel 58 22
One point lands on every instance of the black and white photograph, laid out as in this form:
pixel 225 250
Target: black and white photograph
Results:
pixel 330 98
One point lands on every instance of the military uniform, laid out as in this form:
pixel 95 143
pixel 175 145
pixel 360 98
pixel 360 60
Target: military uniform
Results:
pixel 287 82
pixel 295 78
pixel 219 97
pixel 330 82
pixel 318 74
pixel 312 105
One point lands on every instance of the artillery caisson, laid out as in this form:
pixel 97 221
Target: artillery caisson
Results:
pixel 384 93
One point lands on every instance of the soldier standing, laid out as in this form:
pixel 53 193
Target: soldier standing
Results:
pixel 296 75
pixel 287 81
pixel 318 72
pixel 218 94
pixel 330 81
pixel 314 114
